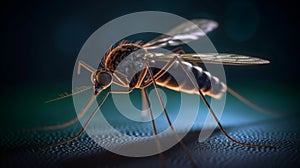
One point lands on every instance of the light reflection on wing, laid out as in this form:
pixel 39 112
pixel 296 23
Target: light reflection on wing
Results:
pixel 183 33
pixel 211 58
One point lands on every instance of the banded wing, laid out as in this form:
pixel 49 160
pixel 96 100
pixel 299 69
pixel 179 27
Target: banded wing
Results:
pixel 212 58
pixel 183 33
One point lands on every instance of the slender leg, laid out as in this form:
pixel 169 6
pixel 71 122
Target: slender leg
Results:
pixel 249 103
pixel 182 144
pixel 141 77
pixel 178 50
pixel 163 70
pixel 223 130
pixel 117 73
pixel 214 115
pixel 89 119
pixel 68 123
pixel 84 65
pixel 59 126
pixel 146 102
pixel 87 67
pixel 119 82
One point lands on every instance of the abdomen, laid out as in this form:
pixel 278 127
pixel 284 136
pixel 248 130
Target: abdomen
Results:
pixel 208 84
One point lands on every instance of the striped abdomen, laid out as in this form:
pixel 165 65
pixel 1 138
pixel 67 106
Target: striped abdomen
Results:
pixel 208 84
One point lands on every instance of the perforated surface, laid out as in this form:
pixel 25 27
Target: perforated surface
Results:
pixel 21 149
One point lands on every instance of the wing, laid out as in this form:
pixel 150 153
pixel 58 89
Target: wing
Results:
pixel 212 58
pixel 183 33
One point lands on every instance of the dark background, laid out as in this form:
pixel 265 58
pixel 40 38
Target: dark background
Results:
pixel 41 40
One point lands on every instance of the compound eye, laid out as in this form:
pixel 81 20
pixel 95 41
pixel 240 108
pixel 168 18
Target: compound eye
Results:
pixel 104 79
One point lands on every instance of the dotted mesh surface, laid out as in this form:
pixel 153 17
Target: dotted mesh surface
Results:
pixel 22 148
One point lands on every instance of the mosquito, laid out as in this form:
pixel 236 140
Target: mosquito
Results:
pixel 107 74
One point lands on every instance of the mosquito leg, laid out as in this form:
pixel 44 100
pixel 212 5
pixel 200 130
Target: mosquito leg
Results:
pixel 145 106
pixel 141 78
pixel 223 130
pixel 89 119
pixel 68 123
pixel 117 73
pixel 214 115
pixel 119 82
pixel 84 126
pixel 165 68
pixel 84 110
pixel 182 144
pixel 178 50
pixel 146 103
pixel 85 66
pixel 74 120
pixel 249 103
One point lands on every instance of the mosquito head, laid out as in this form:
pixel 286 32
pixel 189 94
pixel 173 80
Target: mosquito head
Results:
pixel 102 79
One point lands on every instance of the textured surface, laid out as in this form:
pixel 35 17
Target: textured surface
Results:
pixel 21 149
